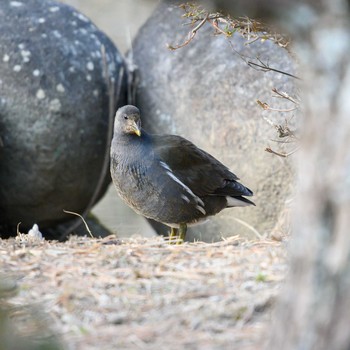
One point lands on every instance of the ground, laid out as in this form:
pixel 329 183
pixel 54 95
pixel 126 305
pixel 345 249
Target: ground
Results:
pixel 142 293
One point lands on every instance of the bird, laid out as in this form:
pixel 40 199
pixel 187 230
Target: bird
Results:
pixel 167 178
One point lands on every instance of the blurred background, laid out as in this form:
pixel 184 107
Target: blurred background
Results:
pixel 120 20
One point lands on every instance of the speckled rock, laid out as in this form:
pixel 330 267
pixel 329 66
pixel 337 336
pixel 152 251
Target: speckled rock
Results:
pixel 206 93
pixel 54 110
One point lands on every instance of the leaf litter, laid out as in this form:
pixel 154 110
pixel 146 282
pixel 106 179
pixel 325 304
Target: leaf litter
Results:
pixel 143 293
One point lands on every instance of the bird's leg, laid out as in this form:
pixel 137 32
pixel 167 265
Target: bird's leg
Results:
pixel 182 233
pixel 173 233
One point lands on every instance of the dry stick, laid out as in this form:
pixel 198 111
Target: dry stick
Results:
pixel 263 67
pixel 86 225
pixel 266 68
pixel 284 155
pixel 190 35
pixel 285 96
pixel 18 232
pixel 250 227
pixel 105 165
pixel 266 107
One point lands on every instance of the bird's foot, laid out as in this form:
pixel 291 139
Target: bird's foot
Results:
pixel 182 233
pixel 177 236
pixel 173 235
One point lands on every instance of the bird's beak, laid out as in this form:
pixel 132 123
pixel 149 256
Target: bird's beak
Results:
pixel 136 129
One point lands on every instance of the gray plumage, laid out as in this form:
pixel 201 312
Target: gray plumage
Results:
pixel 166 177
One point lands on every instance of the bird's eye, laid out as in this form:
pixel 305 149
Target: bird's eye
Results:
pixel 126 117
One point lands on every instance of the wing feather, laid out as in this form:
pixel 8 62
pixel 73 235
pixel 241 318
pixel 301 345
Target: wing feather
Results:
pixel 197 169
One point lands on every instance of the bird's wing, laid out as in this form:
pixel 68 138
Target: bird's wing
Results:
pixel 197 169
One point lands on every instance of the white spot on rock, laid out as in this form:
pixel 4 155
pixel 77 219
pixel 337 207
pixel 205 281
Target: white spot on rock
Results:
pixel 17 68
pixel 36 72
pixel 88 77
pixel 74 23
pixel 95 93
pixel 16 3
pixel 60 88
pixel 40 94
pixel 83 31
pixel 57 34
pixel 54 9
pixel 90 66
pixel 6 58
pixel 71 69
pixel 21 46
pixel 41 20
pixel 55 105
pixel 44 35
pixel 81 17
pixel 26 55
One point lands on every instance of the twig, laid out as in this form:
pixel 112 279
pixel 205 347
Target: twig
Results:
pixel 285 96
pixel 266 68
pixel 18 232
pixel 284 155
pixel 190 35
pixel 265 106
pixel 250 227
pixel 283 141
pixel 86 225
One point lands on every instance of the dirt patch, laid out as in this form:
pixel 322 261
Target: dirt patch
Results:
pixel 143 293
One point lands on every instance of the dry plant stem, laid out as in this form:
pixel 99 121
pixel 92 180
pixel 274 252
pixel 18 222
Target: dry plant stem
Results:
pixel 191 34
pixel 252 30
pixel 250 227
pixel 285 96
pixel 264 67
pixel 266 107
pixel 86 225
pixel 249 29
pixel 283 130
pixel 18 232
pixel 284 155
pixel 113 98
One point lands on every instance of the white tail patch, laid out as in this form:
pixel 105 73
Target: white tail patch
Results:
pixel 234 202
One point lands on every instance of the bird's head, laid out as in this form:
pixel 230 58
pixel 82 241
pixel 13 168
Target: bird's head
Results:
pixel 128 120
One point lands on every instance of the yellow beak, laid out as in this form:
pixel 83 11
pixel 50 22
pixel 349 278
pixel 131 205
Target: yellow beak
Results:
pixel 136 129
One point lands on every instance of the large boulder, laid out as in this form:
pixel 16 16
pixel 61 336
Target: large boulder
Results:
pixel 207 93
pixel 54 111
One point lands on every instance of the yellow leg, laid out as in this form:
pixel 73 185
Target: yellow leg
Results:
pixel 173 234
pixel 182 233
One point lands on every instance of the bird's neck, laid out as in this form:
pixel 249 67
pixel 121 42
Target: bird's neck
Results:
pixel 129 146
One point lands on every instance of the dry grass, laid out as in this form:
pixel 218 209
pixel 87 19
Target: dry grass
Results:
pixel 146 294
